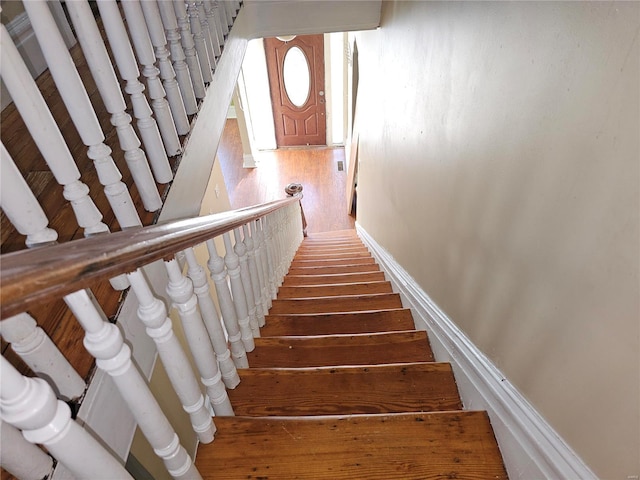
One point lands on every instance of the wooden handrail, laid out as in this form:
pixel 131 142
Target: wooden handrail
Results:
pixel 50 272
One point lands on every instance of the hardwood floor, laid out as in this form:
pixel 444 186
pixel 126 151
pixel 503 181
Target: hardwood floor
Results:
pixel 316 168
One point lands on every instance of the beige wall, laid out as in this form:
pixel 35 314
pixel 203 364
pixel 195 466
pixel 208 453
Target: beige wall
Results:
pixel 10 10
pixel 499 164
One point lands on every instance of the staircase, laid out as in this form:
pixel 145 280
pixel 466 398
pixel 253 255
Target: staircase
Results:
pixel 342 386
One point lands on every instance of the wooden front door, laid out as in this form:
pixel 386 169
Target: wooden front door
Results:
pixel 296 81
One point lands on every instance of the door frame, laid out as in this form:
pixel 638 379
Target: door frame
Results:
pixel 253 86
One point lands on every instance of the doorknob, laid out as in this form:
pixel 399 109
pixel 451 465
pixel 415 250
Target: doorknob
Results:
pixel 321 93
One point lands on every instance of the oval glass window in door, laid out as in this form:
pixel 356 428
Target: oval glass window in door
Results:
pixel 296 76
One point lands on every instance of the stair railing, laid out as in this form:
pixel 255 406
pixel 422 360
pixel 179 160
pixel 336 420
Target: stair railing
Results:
pixel 68 270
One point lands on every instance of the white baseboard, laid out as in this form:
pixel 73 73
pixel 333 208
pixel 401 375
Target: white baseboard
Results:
pixel 248 161
pixel 530 447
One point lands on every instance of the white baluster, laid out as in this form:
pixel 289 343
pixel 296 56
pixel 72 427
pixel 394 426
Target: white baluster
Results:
pixel 221 17
pixel 211 320
pixel 189 47
pixel 20 458
pixel 102 71
pixel 262 266
pixel 219 275
pixel 128 68
pixel 178 57
pixel 241 250
pixel 200 42
pixel 38 351
pixel 253 272
pixel 104 341
pixel 228 10
pixel 271 271
pixel 210 34
pixel 75 98
pixel 180 290
pixel 46 134
pixel 153 314
pixel 214 35
pixel 167 74
pixel 144 51
pixel 31 405
pixel 20 205
pixel 232 263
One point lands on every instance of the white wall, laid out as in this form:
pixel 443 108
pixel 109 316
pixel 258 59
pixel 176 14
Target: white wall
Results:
pixel 499 164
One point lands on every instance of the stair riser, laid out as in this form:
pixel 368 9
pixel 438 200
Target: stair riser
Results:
pixel 301 263
pixel 333 270
pixel 286 292
pixel 335 304
pixel 300 280
pixel 331 253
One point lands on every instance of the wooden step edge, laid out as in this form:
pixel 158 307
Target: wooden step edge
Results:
pixel 385 368
pixel 358 312
pixel 284 338
pixel 333 278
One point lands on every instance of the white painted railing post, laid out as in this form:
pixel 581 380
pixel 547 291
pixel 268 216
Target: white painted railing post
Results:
pixel 261 261
pixel 46 134
pixel 269 246
pixel 232 263
pixel 217 37
pixel 36 349
pixel 180 290
pixel 153 314
pixel 20 205
pixel 144 51
pixel 218 272
pixel 228 12
pixel 75 98
pixel 178 57
pixel 128 68
pixel 167 73
pixel 104 341
pixel 253 272
pixel 241 250
pixel 189 48
pixel 200 42
pixel 102 71
pixel 209 37
pixel 20 458
pixel 221 17
pixel 31 405
pixel 211 320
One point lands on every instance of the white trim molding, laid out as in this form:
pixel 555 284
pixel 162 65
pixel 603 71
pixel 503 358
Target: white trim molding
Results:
pixel 530 447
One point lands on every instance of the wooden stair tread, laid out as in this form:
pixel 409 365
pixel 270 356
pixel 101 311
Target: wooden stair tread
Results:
pixel 361 288
pixel 333 279
pixel 395 388
pixel 328 350
pixel 347 303
pixel 338 323
pixel 375 447
pixel 333 255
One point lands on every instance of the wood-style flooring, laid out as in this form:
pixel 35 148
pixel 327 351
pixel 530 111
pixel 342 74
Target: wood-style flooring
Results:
pixel 316 168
